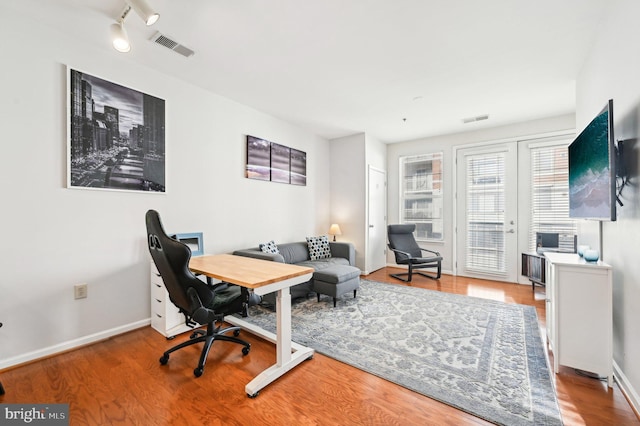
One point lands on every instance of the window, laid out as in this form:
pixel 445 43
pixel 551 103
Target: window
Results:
pixel 421 195
pixel 550 193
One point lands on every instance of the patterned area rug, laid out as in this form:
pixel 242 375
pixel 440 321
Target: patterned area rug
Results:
pixel 481 356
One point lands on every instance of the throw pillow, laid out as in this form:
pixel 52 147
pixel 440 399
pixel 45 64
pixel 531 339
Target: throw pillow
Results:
pixel 318 247
pixel 269 247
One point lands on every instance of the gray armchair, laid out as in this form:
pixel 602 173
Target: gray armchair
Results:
pixel 407 252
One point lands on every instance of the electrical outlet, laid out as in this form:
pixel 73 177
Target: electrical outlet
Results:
pixel 80 291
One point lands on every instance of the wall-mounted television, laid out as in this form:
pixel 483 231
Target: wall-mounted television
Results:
pixel 592 170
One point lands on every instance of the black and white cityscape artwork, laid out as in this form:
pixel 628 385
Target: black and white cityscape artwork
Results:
pixel 116 136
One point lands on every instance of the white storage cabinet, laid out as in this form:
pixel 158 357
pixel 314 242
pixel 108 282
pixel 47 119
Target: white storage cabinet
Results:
pixel 579 314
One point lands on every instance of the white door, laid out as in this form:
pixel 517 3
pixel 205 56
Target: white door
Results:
pixel 377 221
pixel 486 206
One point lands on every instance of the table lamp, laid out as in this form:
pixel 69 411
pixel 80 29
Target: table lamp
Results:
pixel 335 230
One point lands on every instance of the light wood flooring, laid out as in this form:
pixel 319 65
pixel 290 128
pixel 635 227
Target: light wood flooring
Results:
pixel 120 381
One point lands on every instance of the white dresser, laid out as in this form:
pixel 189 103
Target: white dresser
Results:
pixel 579 314
pixel 165 317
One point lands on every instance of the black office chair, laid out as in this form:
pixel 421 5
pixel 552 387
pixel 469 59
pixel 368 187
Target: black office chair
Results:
pixel 407 252
pixel 199 302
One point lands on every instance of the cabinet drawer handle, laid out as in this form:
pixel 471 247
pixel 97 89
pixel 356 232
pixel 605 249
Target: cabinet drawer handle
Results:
pixel 158 285
pixel 158 300
pixel 159 316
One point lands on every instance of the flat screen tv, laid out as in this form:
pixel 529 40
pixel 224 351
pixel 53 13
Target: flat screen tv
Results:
pixel 592 170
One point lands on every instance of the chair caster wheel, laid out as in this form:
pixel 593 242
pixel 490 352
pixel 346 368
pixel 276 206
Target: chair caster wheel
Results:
pixel 164 359
pixel 254 395
pixel 236 333
pixel 245 350
pixel 198 372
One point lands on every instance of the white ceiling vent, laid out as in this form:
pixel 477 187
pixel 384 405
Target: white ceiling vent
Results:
pixel 165 41
pixel 476 118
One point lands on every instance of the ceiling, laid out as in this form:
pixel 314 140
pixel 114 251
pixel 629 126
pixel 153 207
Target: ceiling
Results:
pixel 395 69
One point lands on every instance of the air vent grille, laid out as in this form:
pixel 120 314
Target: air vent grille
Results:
pixel 167 42
pixel 476 118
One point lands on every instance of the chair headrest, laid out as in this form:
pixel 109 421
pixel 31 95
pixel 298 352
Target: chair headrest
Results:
pixel 401 229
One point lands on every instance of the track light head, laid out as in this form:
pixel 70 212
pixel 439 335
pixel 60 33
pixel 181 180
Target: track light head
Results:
pixel 119 37
pixel 142 8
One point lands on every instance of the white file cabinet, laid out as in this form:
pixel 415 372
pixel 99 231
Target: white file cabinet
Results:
pixel 579 314
pixel 165 316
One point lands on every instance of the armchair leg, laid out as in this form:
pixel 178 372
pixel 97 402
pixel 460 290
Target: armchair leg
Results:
pixel 410 273
pixel 399 277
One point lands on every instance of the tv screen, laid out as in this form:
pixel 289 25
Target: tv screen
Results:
pixel 592 170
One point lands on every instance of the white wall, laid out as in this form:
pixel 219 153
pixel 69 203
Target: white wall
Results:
pixel 611 72
pixel 347 175
pixel 55 237
pixel 445 144
pixel 350 158
pixel 376 157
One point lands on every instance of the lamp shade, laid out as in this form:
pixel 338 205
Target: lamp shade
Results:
pixel 119 38
pixel 335 229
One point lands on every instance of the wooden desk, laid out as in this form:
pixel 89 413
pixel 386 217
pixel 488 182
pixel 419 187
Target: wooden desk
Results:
pixel 263 277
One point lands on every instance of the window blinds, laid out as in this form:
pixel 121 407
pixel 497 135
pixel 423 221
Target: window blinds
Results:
pixel 550 192
pixel 485 213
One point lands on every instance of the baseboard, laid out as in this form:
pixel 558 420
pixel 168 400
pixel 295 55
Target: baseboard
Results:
pixel 71 344
pixel 627 389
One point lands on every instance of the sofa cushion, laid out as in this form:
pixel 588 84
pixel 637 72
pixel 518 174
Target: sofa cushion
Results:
pixel 294 252
pixel 337 274
pixel 319 247
pixel 269 247
pixel 321 264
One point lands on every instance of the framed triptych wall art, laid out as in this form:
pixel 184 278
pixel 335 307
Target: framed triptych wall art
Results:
pixel 274 162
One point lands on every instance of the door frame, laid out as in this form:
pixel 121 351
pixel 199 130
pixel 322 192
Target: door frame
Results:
pixel 522 224
pixel 457 269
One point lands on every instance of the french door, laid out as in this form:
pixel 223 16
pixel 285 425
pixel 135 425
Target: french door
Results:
pixel 486 206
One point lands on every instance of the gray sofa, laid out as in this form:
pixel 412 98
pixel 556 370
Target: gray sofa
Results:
pixel 298 254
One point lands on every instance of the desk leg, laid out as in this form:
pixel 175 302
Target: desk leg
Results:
pixel 283 327
pixel 285 359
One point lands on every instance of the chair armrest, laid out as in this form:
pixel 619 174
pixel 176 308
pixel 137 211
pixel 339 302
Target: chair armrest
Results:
pixel 344 250
pixel 430 251
pixel 401 252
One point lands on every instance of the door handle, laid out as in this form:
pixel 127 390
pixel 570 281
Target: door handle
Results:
pixel 370 226
pixel 511 231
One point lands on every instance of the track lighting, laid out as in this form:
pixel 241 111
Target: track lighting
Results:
pixel 142 8
pixel 119 34
pixel 119 37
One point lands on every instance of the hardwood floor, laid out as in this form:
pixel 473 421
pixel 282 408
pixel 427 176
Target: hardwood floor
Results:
pixel 120 381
